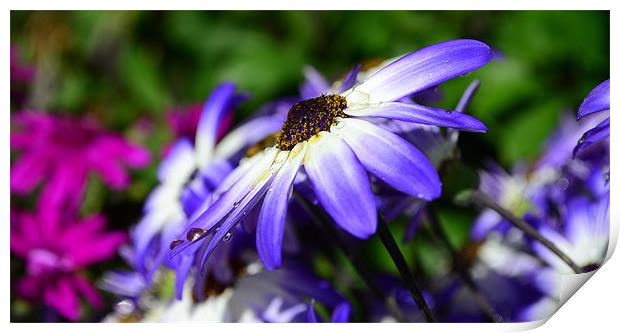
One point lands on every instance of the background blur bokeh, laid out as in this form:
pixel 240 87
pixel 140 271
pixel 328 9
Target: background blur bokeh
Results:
pixel 129 68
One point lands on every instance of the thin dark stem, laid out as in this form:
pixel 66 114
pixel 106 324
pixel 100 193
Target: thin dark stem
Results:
pixel 484 201
pixel 483 303
pixel 323 221
pixel 405 274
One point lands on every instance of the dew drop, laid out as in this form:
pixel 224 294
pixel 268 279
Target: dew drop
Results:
pixel 124 307
pixel 236 204
pixel 175 243
pixel 582 140
pixel 227 237
pixel 195 233
pixel 563 183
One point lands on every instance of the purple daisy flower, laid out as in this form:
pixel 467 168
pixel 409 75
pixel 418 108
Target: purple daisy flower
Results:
pixel 596 101
pixel 584 238
pixel 332 137
pixel 189 172
pixel 55 252
pixel 64 152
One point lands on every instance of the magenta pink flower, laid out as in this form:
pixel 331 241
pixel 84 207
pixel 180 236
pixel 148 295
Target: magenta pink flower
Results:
pixel 183 121
pixel 55 250
pixel 63 151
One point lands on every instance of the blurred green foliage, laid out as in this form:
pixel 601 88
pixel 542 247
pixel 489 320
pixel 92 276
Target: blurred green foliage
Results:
pixel 125 67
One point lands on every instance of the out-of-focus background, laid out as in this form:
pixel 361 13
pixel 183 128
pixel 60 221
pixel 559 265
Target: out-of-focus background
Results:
pixel 129 68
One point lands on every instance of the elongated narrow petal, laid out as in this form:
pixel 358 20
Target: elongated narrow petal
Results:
pixel 422 69
pixel 315 84
pixel 311 313
pixel 270 227
pixel 147 229
pixel 221 100
pixel 341 184
pixel 341 313
pixel 419 114
pixel 179 164
pixel 260 186
pixel 598 133
pixel 248 134
pixel 350 79
pixel 207 217
pixel 597 100
pixel 63 298
pixel 391 158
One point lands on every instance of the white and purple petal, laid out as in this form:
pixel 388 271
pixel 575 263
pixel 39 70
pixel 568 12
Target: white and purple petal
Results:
pixel 422 69
pixel 256 192
pixel 270 227
pixel 221 101
pixel 179 164
pixel 314 85
pixel 208 216
pixel 248 134
pixel 419 114
pixel 391 158
pixel 341 184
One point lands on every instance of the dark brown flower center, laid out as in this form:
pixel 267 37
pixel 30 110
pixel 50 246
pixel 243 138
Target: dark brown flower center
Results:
pixel 308 118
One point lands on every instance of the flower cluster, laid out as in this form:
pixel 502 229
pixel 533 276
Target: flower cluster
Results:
pixel 56 158
pixel 282 216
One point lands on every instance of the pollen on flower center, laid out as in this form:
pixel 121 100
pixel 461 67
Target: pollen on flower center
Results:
pixel 309 117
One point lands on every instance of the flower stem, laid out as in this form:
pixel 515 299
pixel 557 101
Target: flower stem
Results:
pixel 460 266
pixel 485 201
pixel 323 221
pixel 405 274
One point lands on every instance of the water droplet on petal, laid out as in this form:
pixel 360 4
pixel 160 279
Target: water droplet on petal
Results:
pixel 195 233
pixel 124 307
pixel 175 243
pixel 582 140
pixel 563 183
pixel 227 237
pixel 236 204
